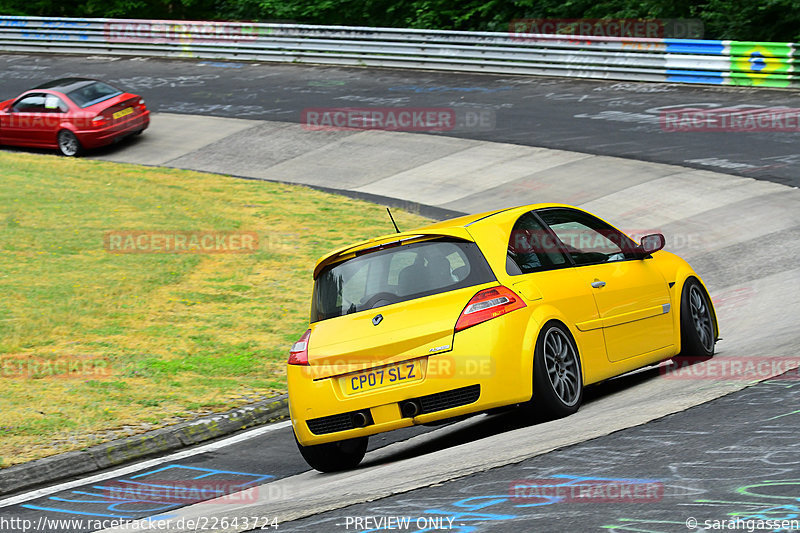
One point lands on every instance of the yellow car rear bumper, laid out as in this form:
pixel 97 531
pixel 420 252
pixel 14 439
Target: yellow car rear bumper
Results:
pixel 485 369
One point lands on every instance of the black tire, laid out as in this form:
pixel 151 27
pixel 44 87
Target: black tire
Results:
pixel 698 329
pixel 68 144
pixel 334 456
pixel 557 376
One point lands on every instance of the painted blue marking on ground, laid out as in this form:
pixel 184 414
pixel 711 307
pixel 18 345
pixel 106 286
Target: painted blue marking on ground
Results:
pixel 38 508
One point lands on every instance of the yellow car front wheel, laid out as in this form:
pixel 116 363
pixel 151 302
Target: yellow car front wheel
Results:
pixel 698 333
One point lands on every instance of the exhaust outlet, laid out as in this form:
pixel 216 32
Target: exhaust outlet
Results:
pixel 359 419
pixel 409 408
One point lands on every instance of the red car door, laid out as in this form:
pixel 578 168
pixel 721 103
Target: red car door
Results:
pixel 56 112
pixel 25 123
pixel 9 125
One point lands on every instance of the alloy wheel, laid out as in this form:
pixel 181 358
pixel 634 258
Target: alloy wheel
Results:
pixel 561 362
pixel 701 317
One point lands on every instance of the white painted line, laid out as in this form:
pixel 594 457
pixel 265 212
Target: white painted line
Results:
pixel 143 465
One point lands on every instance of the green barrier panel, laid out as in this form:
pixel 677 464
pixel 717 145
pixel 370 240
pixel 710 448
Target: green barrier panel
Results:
pixel 762 80
pixel 761 64
pixel 744 48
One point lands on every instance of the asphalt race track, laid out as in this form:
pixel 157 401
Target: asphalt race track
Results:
pixel 727 202
pixel 595 117
pixel 734 457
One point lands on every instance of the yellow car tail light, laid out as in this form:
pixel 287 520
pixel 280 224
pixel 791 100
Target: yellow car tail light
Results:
pixel 298 354
pixel 488 304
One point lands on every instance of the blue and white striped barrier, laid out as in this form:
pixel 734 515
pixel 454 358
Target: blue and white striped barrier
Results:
pixel 620 58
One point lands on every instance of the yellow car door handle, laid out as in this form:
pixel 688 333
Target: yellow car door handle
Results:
pixel 598 284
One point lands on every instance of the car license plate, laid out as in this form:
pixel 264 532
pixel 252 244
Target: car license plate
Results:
pixel 124 112
pixel 381 377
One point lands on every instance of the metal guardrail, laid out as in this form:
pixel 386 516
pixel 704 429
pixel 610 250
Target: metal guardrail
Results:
pixel 618 58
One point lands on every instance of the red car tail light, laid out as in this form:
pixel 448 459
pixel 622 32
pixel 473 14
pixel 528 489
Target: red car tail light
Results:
pixel 99 121
pixel 488 304
pixel 140 104
pixel 298 354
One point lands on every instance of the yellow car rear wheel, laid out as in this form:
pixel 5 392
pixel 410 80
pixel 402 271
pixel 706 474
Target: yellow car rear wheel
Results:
pixel 557 376
pixel 334 456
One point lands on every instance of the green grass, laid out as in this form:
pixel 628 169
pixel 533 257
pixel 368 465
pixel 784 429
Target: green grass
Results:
pixel 168 334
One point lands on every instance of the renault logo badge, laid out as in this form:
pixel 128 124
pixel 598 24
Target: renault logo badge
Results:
pixel 377 319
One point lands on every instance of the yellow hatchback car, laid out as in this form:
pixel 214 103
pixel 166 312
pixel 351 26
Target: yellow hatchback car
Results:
pixel 525 305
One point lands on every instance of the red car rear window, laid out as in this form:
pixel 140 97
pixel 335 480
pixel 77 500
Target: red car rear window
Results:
pixel 92 94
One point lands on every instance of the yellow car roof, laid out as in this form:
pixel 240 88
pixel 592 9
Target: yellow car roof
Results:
pixel 454 227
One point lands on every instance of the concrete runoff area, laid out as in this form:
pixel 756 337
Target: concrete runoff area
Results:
pixel 176 134
pixel 736 248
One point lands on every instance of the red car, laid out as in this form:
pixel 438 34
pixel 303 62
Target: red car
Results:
pixel 72 114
